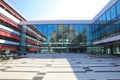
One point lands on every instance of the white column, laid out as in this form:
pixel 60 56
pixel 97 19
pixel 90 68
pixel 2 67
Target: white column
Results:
pixel 118 49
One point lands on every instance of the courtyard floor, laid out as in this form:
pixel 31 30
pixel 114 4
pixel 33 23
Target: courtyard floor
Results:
pixel 61 67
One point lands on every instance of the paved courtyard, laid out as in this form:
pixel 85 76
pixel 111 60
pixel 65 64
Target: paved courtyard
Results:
pixel 61 67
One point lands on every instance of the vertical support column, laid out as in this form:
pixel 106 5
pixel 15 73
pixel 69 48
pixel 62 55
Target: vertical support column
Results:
pixel 105 50
pixel 111 48
pixel 118 50
pixel 92 49
pixel 102 49
pixel 23 40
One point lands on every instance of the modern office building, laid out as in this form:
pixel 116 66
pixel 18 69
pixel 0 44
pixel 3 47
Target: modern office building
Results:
pixel 15 37
pixel 104 33
pixel 99 35
pixel 61 35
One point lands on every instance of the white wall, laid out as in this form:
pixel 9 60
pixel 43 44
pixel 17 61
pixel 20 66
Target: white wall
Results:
pixel 9 29
pixel 5 13
pixel 8 42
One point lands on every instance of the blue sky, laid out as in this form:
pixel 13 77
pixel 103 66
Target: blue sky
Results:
pixel 59 9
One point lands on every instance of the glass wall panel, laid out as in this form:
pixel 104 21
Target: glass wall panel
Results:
pixel 101 20
pixel 61 36
pixel 118 8
pixel 104 18
pixel 108 16
pixel 113 13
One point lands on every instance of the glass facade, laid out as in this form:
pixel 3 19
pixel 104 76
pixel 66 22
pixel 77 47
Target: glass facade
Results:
pixel 101 36
pixel 60 37
pixel 90 38
pixel 48 29
pixel 106 27
pixel 118 9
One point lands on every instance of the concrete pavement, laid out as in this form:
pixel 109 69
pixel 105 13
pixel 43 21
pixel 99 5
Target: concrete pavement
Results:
pixel 61 67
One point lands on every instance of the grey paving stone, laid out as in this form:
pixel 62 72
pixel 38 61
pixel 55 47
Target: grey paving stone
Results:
pixel 37 78
pixel 97 76
pixel 16 76
pixel 116 64
pixel 106 69
pixel 48 65
pixel 65 70
pixel 41 73
pixel 113 79
pixel 87 69
pixel 25 69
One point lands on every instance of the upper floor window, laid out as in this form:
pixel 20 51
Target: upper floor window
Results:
pixel 108 16
pixel 113 13
pixel 118 8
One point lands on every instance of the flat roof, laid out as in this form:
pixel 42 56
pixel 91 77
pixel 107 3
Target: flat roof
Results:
pixel 107 40
pixel 7 2
pixel 112 2
pixel 55 22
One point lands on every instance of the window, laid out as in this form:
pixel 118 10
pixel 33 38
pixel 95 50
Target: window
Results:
pixel 113 13
pixel 100 20
pixel 118 8
pixel 104 18
pixel 108 16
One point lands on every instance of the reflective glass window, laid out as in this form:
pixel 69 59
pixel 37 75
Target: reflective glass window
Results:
pixel 100 19
pixel 104 18
pixel 113 12
pixel 108 15
pixel 60 32
pixel 118 8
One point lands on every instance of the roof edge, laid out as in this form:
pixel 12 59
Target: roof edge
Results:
pixel 112 2
pixel 55 22
pixel 7 2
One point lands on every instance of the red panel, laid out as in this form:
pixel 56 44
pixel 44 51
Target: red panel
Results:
pixel 11 11
pixel 18 16
pixel 41 40
pixel 33 49
pixel 12 48
pixel 31 41
pixel 9 21
pixel 40 44
pixel 6 34
pixel 31 34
